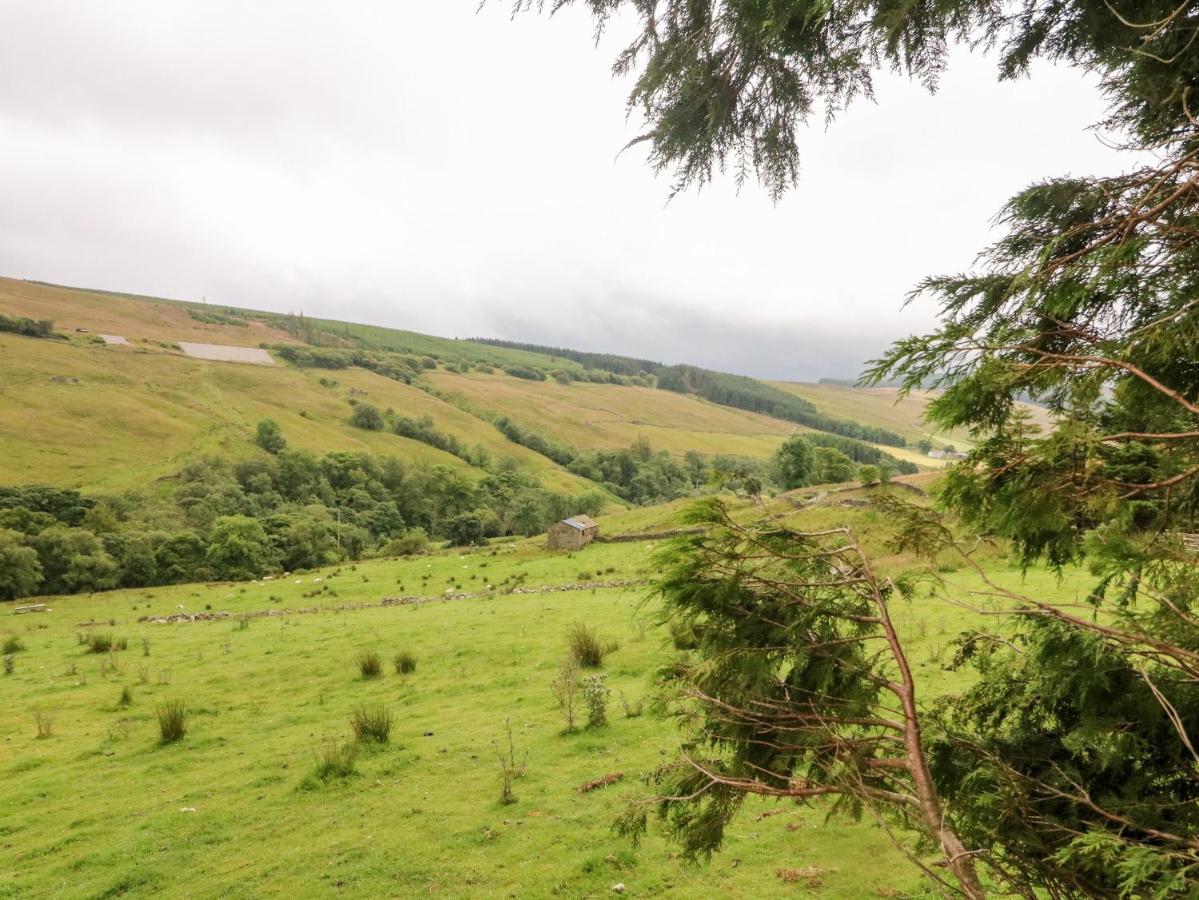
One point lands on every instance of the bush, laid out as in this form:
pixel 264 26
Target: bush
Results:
pixel 126 697
pixel 269 438
pixel 510 769
pixel 172 721
pixel 565 689
pixel 596 694
pixel 412 542
pixel 12 645
pixel 586 646
pixel 367 417
pixel 39 328
pixel 369 663
pixel 371 724
pixel 405 662
pixel 631 710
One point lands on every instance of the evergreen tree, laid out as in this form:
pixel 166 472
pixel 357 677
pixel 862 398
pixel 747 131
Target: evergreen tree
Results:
pixel 1069 768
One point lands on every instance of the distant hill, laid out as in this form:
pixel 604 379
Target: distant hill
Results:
pixel 75 411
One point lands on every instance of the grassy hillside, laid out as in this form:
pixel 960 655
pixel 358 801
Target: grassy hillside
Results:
pixel 882 405
pixel 100 808
pixel 110 418
pixel 609 417
pixel 78 413
pixel 133 316
pixel 885 407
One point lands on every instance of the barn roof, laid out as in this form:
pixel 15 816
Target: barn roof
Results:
pixel 580 523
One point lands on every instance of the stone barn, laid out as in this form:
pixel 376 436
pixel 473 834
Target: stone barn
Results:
pixel 571 534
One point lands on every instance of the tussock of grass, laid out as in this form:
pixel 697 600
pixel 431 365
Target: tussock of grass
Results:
pixel 369 663
pixel 12 644
pixel 405 662
pixel 172 721
pixel 371 724
pixel 104 642
pixel 335 761
pixel 587 647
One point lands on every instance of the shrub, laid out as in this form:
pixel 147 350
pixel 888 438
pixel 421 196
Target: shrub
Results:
pixel 12 645
pixel 595 694
pixel 405 662
pixel 44 722
pixel 366 416
pixel 565 689
pixel 586 646
pixel 631 710
pixel 510 769
pixel 172 721
pixel 126 697
pixel 412 542
pixel 269 438
pixel 371 724
pixel 369 663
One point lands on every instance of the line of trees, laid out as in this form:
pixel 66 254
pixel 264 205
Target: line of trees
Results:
pixel 37 328
pixel 285 510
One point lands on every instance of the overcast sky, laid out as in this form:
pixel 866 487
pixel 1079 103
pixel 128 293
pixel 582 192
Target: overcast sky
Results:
pixel 420 165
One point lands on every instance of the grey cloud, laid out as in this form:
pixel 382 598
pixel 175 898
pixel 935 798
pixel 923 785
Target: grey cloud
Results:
pixel 426 167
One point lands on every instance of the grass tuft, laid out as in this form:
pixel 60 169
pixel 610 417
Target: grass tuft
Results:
pixel 335 760
pixel 104 642
pixel 587 647
pixel 371 724
pixel 172 721
pixel 12 644
pixel 369 663
pixel 405 662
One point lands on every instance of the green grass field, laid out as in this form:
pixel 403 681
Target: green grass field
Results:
pixel 100 808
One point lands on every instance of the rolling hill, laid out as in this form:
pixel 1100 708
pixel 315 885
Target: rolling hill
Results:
pixel 78 412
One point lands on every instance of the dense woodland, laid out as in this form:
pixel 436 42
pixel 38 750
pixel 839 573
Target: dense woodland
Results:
pixel 284 509
pixel 287 510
